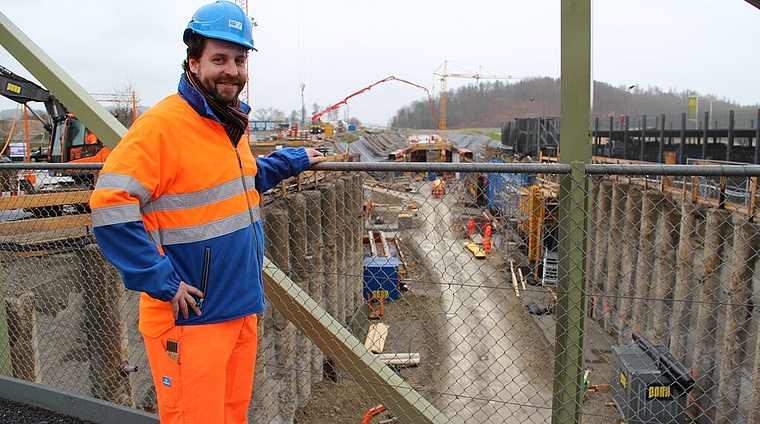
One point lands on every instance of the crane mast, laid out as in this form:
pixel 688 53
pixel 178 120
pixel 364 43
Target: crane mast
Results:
pixel 442 107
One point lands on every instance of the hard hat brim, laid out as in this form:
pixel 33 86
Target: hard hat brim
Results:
pixel 218 36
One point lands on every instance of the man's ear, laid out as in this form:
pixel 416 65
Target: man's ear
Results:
pixel 193 65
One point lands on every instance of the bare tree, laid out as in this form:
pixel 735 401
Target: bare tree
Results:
pixel 125 102
pixel 295 115
pixel 268 114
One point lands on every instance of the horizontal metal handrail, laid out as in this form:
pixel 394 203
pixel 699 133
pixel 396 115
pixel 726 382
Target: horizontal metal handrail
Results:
pixel 529 168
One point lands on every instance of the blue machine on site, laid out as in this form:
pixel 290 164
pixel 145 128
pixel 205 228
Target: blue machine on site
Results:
pixel 502 191
pixel 380 278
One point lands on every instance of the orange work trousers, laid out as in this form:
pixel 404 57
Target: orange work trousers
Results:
pixel 211 380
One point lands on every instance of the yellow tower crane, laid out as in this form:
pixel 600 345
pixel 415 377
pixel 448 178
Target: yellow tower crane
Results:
pixel 443 73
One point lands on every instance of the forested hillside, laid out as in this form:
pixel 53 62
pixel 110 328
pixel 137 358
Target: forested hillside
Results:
pixel 488 104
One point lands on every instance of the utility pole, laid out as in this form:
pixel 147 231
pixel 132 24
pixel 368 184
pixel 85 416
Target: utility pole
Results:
pixel 303 107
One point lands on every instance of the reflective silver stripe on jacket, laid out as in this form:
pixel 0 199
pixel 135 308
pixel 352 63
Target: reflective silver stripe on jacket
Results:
pixel 110 215
pixel 116 215
pixel 132 186
pixel 207 231
pixel 209 196
pixel 167 202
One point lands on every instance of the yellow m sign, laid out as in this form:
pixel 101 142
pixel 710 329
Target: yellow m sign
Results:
pixel 692 114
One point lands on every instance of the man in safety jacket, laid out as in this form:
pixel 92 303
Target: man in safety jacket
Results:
pixel 176 210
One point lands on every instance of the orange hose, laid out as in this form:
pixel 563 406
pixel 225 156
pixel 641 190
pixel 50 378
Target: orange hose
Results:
pixel 10 132
pixel 371 413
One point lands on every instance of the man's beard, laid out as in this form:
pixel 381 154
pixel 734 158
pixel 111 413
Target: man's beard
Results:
pixel 224 94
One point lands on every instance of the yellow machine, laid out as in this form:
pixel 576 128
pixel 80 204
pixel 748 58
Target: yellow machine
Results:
pixel 321 130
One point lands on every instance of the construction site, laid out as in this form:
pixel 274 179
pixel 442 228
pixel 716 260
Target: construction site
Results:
pixel 418 276
pixel 440 271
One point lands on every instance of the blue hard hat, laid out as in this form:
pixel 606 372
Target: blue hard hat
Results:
pixel 222 20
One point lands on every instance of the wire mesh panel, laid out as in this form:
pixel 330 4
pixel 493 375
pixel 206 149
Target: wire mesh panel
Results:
pixel 71 325
pixel 502 294
pixel 672 278
pixel 432 281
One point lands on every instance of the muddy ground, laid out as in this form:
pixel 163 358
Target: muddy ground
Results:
pixel 415 320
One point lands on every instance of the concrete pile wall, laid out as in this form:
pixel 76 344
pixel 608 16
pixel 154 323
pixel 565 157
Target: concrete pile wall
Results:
pixel 74 327
pixel 315 237
pixel 685 276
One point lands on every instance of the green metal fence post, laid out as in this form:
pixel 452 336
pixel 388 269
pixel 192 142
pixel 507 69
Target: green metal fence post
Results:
pixel 571 310
pixel 575 149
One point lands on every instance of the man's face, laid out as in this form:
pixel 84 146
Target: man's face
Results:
pixel 222 69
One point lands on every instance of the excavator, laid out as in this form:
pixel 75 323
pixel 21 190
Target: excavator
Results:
pixel 69 141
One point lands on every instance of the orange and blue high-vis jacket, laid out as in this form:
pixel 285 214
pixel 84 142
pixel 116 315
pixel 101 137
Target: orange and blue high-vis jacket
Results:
pixel 178 201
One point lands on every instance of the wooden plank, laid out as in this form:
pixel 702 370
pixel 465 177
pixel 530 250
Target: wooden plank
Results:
pixel 514 277
pixel 28 201
pixel 372 244
pixel 476 250
pixel 27 226
pixel 376 336
pixel 522 279
pixel 400 359
pixel 386 245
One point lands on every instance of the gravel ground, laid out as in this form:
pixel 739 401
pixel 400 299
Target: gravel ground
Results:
pixel 19 413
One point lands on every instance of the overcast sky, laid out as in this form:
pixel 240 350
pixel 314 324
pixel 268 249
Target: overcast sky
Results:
pixel 337 47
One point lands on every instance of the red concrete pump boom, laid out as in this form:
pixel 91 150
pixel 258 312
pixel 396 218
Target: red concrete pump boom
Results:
pixel 316 116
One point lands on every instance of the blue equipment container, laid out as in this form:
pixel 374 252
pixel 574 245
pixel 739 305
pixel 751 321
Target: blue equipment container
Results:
pixel 503 192
pixel 380 278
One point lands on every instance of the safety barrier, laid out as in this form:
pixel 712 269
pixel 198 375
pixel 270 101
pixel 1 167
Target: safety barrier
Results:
pixel 382 293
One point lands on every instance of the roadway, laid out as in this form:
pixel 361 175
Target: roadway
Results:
pixel 497 366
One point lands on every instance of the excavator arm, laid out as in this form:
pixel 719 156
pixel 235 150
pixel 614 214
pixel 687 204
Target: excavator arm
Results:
pixel 67 142
pixel 21 90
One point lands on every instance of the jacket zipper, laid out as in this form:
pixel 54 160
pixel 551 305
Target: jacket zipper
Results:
pixel 204 274
pixel 245 186
pixel 207 252
pixel 247 201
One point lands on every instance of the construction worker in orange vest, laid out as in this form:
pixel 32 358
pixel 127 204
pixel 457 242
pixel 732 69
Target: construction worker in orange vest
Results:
pixel 90 138
pixel 487 238
pixel 487 245
pixel 177 210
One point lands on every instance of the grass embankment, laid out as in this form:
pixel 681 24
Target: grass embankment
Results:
pixel 347 136
pixel 492 133
pixel 351 136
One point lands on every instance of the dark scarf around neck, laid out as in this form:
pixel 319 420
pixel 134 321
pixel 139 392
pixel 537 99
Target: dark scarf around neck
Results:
pixel 231 115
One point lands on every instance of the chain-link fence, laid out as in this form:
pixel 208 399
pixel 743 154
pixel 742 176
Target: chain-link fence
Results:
pixel 672 261
pixel 477 293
